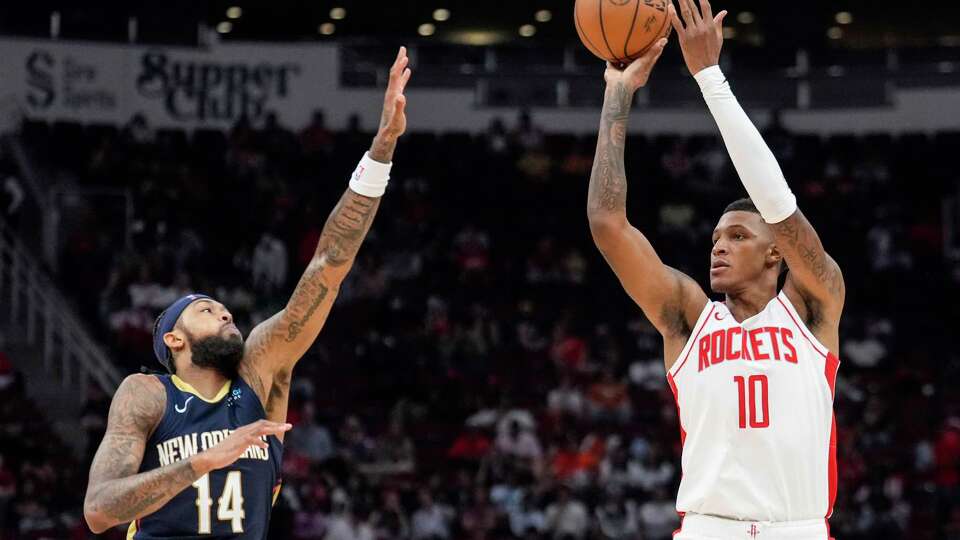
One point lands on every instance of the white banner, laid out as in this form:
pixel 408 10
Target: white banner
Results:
pixel 171 86
pixel 213 87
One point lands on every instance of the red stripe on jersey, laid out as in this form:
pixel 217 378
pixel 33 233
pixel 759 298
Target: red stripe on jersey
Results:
pixel 830 372
pixel 683 437
pixel 693 343
pixel 800 328
pixel 676 399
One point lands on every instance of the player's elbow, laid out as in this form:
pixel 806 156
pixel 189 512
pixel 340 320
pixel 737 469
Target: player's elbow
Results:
pixel 605 229
pixel 96 520
pixel 97 523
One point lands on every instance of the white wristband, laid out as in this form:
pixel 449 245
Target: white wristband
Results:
pixel 370 177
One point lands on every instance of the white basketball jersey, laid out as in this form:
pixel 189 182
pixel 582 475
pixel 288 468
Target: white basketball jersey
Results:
pixel 755 402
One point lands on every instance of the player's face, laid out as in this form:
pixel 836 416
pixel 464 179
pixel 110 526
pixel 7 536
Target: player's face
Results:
pixel 207 318
pixel 214 341
pixel 742 251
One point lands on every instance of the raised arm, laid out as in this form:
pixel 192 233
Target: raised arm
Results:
pixel 116 493
pixel 814 276
pixel 275 345
pixel 670 299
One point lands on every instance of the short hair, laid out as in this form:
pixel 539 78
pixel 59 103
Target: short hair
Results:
pixel 746 205
pixel 742 205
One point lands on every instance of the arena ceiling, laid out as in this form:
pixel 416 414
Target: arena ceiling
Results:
pixel 757 23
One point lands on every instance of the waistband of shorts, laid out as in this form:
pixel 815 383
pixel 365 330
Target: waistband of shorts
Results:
pixel 754 530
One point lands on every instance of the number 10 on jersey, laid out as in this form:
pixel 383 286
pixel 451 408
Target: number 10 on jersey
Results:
pixel 752 390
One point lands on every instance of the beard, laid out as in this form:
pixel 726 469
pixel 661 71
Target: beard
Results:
pixel 222 354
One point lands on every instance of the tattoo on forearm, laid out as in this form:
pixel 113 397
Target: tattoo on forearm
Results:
pixel 608 179
pixel 126 499
pixel 297 326
pixel 346 228
pixel 810 252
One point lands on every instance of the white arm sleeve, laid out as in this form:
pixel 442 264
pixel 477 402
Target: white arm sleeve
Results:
pixel 755 163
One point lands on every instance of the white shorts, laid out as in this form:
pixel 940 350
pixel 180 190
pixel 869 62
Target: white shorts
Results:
pixel 700 527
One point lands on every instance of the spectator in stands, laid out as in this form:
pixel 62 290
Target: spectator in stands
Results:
pixel 471 445
pixel 497 138
pixel 527 135
pixel 520 444
pixel 617 517
pixel 310 439
pixel 479 518
pixel 393 452
pixel 390 522
pixel 566 398
pixel 353 524
pixel 269 264
pixel 355 445
pixel 138 132
pixel 316 139
pixel 432 520
pixel 608 400
pixel 659 516
pixel 567 518
pixel 527 520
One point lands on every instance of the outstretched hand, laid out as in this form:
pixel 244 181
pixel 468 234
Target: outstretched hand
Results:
pixel 393 120
pixel 637 73
pixel 700 34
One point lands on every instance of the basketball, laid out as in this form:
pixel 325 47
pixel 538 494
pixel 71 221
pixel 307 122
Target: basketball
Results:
pixel 620 30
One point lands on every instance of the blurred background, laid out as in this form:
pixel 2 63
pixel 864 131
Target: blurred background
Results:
pixel 482 375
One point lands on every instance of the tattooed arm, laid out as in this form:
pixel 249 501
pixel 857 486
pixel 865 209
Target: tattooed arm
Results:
pixel 814 277
pixel 275 345
pixel 115 492
pixel 670 299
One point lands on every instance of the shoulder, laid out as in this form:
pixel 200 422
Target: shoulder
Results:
pixel 138 404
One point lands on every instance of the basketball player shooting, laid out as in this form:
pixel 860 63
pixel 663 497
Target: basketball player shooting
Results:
pixel 753 375
pixel 197 453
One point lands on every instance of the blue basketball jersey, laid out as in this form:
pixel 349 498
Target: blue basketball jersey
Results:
pixel 233 502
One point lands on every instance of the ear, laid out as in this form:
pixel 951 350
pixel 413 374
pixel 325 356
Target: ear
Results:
pixel 774 257
pixel 174 341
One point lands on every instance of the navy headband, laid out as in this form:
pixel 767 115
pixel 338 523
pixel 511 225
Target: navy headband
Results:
pixel 165 323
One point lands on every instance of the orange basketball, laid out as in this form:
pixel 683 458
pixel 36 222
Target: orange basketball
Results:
pixel 620 30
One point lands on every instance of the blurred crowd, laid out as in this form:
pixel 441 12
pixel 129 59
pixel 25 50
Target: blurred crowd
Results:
pixel 482 375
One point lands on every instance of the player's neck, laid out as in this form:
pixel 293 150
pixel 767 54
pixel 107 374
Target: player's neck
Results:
pixel 207 382
pixel 750 301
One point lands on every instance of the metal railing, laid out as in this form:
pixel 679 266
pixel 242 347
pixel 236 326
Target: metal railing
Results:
pixel 36 308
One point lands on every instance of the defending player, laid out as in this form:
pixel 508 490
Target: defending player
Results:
pixel 196 454
pixel 753 375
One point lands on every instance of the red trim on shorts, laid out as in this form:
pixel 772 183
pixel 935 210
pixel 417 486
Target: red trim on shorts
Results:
pixel 693 342
pixel 800 328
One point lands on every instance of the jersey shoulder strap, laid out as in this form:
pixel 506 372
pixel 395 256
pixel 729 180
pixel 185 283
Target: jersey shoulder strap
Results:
pixel 702 321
